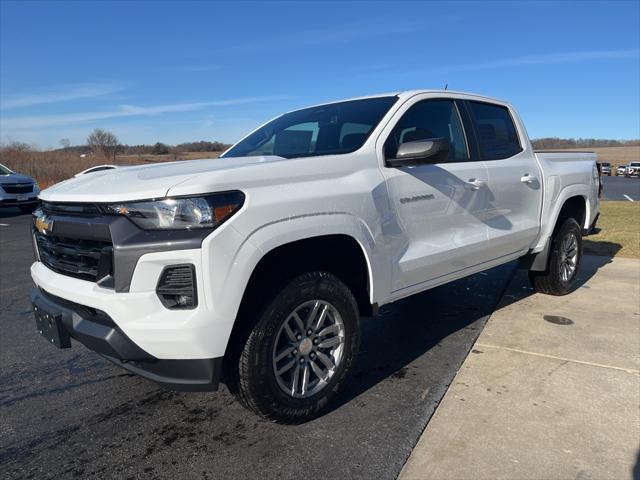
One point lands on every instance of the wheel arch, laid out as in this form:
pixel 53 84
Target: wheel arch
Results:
pixel 337 253
pixel 574 206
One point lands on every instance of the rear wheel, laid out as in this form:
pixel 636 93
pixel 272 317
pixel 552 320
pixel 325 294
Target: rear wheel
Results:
pixel 299 352
pixel 564 261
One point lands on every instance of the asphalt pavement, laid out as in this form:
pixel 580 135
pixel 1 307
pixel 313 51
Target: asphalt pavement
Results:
pixel 70 413
pixel 621 188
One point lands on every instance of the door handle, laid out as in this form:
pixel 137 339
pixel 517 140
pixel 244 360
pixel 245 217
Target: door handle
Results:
pixel 474 184
pixel 528 178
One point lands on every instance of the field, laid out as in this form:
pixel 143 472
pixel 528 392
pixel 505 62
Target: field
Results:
pixel 54 166
pixel 620 230
pixel 614 155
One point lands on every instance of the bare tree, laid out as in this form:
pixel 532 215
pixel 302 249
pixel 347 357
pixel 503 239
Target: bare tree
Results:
pixel 65 142
pixel 103 143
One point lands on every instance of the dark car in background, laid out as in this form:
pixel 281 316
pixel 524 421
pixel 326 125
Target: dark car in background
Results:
pixel 18 190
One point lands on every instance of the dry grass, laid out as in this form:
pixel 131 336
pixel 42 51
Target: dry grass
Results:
pixel 620 230
pixel 614 155
pixel 53 167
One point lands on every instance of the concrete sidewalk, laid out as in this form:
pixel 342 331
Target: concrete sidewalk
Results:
pixel 551 389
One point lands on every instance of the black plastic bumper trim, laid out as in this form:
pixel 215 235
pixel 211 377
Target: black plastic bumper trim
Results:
pixel 197 375
pixel 10 202
pixel 98 332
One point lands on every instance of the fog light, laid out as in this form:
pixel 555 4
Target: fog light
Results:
pixel 177 287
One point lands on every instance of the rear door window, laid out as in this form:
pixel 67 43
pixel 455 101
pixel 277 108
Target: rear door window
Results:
pixel 497 135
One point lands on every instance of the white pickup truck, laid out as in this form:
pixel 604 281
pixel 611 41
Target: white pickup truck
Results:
pixel 257 266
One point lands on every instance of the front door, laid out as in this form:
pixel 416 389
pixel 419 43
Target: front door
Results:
pixel 440 207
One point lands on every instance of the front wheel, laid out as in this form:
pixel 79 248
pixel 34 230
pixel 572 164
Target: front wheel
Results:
pixel 300 351
pixel 564 261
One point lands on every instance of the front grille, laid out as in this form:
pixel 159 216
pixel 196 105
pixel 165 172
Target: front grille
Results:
pixel 74 209
pixel 17 187
pixel 85 259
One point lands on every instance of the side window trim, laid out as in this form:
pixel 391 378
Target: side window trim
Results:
pixel 461 117
pixel 473 145
pixel 477 136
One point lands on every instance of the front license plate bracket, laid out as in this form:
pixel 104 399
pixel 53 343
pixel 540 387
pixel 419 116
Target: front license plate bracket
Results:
pixel 50 326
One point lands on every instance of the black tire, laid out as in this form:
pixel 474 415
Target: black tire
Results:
pixel 27 208
pixel 551 281
pixel 249 363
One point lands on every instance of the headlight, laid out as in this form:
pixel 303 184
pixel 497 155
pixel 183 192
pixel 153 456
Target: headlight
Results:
pixel 208 211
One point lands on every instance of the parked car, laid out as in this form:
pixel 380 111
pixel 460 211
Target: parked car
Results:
pixel 605 168
pixel 621 169
pixel 97 168
pixel 632 170
pixel 261 262
pixel 18 190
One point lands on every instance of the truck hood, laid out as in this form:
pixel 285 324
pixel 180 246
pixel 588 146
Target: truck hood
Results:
pixel 145 181
pixel 15 178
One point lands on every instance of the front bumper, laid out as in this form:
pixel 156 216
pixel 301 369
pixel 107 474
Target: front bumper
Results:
pixel 98 332
pixel 164 333
pixel 12 201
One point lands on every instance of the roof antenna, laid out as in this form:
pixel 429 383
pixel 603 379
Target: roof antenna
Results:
pixel 446 85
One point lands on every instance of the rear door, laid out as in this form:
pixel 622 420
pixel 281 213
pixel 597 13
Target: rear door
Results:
pixel 514 176
pixel 439 207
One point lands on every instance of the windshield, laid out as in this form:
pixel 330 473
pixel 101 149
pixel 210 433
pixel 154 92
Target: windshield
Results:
pixel 4 170
pixel 331 129
pixel 606 164
pixel 634 164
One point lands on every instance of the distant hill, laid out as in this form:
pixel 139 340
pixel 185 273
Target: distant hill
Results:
pixel 551 143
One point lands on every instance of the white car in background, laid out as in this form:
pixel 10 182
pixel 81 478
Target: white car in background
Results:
pixel 633 170
pixel 621 170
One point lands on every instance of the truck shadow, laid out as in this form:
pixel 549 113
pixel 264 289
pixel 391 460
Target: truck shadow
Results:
pixel 415 327
pixel 408 329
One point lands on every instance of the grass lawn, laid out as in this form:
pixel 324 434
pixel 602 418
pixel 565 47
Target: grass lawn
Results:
pixel 620 230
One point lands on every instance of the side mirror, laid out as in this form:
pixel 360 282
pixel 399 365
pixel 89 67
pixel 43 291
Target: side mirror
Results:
pixel 420 152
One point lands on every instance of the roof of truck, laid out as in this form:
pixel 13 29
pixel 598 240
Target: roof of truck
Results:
pixel 404 94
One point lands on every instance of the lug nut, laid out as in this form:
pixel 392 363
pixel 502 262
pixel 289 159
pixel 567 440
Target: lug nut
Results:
pixel 313 355
pixel 294 352
pixel 299 337
pixel 316 341
pixel 302 360
pixel 309 332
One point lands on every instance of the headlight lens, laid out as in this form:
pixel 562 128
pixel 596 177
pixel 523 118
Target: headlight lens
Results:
pixel 181 213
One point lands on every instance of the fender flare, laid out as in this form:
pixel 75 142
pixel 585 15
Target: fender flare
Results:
pixel 264 239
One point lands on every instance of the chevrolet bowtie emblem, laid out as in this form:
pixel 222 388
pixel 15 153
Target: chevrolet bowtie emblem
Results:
pixel 44 224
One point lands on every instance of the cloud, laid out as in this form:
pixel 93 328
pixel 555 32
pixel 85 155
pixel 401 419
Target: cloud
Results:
pixel 39 121
pixel 544 59
pixel 66 94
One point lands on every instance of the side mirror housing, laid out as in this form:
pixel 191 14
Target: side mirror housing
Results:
pixel 420 152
